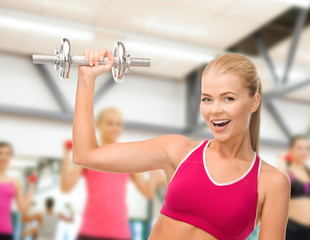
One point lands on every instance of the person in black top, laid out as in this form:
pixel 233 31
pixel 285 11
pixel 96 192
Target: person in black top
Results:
pixel 294 163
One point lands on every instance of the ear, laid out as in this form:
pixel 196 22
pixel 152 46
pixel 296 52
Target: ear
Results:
pixel 255 103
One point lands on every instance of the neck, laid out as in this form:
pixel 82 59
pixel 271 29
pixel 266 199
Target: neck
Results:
pixel 2 173
pixel 105 141
pixel 236 147
pixel 49 210
pixel 297 164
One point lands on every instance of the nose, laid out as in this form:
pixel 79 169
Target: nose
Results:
pixel 216 108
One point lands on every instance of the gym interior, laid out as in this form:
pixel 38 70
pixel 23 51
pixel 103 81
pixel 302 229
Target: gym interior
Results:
pixel 180 38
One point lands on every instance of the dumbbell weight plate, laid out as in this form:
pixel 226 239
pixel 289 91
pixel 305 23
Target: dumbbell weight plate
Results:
pixel 119 69
pixel 65 61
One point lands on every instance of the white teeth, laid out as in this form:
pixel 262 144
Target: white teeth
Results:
pixel 219 122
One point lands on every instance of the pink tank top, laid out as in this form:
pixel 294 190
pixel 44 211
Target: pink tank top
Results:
pixel 227 211
pixel 105 213
pixel 7 193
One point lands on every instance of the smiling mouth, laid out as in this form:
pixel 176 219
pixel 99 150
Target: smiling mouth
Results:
pixel 220 123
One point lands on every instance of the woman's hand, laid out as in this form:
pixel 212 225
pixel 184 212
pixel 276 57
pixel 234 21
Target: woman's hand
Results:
pixel 282 163
pixel 93 57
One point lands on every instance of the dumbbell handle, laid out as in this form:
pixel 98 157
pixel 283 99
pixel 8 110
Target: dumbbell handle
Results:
pixel 80 60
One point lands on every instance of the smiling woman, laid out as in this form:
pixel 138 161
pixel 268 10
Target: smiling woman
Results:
pixel 232 85
pixel 218 188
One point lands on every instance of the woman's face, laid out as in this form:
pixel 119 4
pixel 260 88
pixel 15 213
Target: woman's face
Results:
pixel 111 126
pixel 225 99
pixel 300 151
pixel 5 157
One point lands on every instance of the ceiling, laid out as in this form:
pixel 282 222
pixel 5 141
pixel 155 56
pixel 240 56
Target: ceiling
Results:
pixel 178 35
pixel 204 22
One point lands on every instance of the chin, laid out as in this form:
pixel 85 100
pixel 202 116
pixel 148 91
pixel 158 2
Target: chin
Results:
pixel 221 137
pixel 305 161
pixel 113 139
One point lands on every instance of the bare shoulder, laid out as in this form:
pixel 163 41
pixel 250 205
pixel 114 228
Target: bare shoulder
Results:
pixel 178 142
pixel 174 137
pixel 273 179
pixel 177 147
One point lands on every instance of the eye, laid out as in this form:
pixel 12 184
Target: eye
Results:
pixel 206 100
pixel 229 99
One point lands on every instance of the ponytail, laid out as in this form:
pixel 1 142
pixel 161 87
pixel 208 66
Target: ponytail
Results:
pixel 255 125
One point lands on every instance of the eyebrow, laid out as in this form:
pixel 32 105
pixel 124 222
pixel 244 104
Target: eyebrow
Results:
pixel 205 94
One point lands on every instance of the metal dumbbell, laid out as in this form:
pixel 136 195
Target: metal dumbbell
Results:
pixel 62 60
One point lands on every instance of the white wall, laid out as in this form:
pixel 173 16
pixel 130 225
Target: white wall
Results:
pixel 141 99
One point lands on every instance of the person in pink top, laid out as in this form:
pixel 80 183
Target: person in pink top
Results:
pixel 105 215
pixel 218 188
pixel 11 189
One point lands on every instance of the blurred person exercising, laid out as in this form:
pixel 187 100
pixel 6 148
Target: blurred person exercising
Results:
pixel 105 215
pixel 47 221
pixel 294 164
pixel 218 188
pixel 30 229
pixel 11 188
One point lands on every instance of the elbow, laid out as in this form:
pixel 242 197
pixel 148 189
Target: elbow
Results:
pixel 83 159
pixel 65 189
pixel 23 210
pixel 77 159
pixel 64 186
pixel 24 218
pixel 150 198
pixel 80 158
pixel 149 195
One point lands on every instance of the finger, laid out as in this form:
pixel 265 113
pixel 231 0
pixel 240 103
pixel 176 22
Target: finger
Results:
pixel 91 57
pixel 111 59
pixel 97 57
pixel 103 53
pixel 110 63
pixel 86 54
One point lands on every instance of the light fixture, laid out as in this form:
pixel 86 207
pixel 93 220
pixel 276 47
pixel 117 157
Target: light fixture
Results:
pixel 159 25
pixel 296 74
pixel 45 28
pixel 170 51
pixel 22 163
pixel 298 3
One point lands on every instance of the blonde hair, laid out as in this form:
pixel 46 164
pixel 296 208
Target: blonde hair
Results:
pixel 104 112
pixel 243 67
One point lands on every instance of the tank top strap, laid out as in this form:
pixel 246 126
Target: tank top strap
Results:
pixel 196 154
pixel 253 176
pixel 290 175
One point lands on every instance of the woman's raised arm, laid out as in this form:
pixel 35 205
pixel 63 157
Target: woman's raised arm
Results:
pixel 129 157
